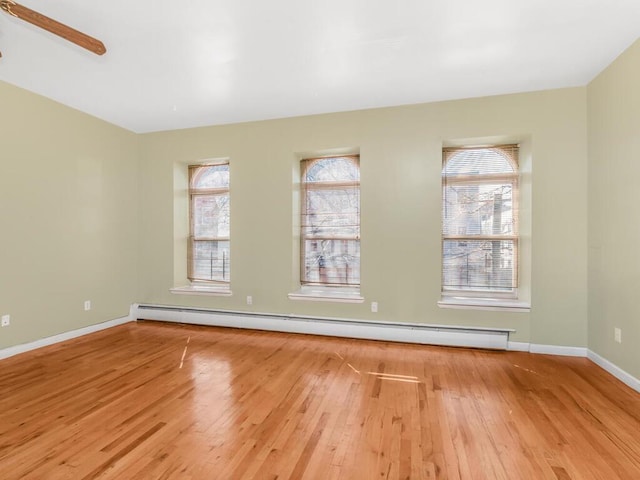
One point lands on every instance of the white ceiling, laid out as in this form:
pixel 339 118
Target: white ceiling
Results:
pixel 177 64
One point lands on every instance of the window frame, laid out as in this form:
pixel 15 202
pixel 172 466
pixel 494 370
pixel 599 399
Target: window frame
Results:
pixel 484 295
pixel 315 287
pixel 194 193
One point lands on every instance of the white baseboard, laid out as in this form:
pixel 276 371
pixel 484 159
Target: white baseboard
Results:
pixel 558 350
pixel 518 346
pixel 614 370
pixel 547 349
pixel 371 330
pixel 44 342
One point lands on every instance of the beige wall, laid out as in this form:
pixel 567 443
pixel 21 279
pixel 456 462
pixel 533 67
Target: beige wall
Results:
pixel 614 228
pixel 87 211
pixel 68 218
pixel 401 199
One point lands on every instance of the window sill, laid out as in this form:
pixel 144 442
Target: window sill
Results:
pixel 328 294
pixel 211 290
pixel 491 304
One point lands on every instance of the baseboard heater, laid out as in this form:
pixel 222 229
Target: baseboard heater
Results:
pixel 492 338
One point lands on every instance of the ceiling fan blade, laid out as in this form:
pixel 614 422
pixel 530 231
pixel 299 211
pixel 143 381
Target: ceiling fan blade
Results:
pixel 57 28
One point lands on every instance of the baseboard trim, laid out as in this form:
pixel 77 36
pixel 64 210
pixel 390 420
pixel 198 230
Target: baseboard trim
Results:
pixel 547 349
pixel 61 337
pixel 558 350
pixel 614 370
pixel 518 346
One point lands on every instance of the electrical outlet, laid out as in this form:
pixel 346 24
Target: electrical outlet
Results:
pixel 617 335
pixel 87 305
pixel 6 320
pixel 249 300
pixel 374 307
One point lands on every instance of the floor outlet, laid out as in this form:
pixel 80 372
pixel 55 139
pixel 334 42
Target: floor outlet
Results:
pixel 249 300
pixel 6 320
pixel 374 307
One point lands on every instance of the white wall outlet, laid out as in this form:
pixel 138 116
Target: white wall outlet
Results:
pixel 249 300
pixel 6 320
pixel 87 305
pixel 617 335
pixel 374 307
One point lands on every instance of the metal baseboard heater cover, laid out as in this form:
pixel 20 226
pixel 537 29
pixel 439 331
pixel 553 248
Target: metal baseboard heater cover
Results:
pixel 366 329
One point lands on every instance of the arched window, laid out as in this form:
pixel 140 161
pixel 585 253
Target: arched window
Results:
pixel 480 219
pixel 330 223
pixel 208 256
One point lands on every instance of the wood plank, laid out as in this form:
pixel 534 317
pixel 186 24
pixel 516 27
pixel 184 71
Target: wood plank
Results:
pixel 167 401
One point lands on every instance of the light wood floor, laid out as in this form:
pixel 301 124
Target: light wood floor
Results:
pixel 158 401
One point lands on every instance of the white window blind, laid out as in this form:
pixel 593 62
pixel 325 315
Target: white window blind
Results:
pixel 330 223
pixel 208 255
pixel 480 219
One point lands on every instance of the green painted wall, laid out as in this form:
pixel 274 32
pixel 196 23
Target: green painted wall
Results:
pixel 400 151
pixel 614 229
pixel 68 218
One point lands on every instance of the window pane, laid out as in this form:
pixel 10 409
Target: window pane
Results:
pixel 210 176
pixel 210 215
pixel 334 262
pixel 479 264
pixel 335 169
pixel 478 209
pixel 332 212
pixel 481 161
pixel 330 229
pixel 210 260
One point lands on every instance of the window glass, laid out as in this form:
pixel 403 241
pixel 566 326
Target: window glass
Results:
pixel 479 219
pixel 208 258
pixel 330 227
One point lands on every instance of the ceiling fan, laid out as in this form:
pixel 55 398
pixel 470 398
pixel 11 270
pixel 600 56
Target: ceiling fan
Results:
pixel 74 36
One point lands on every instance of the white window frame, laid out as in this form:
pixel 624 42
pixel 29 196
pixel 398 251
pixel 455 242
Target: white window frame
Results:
pixel 482 298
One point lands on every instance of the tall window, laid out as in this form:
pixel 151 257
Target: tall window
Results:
pixel 480 220
pixel 330 223
pixel 209 223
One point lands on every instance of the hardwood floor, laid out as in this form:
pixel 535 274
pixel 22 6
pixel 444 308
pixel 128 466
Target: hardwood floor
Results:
pixel 162 401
